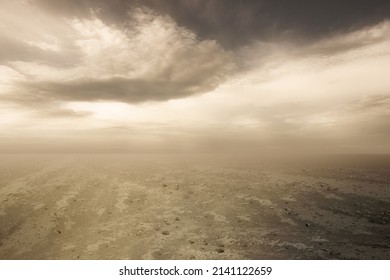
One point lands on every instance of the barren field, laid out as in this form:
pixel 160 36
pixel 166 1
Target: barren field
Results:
pixel 178 207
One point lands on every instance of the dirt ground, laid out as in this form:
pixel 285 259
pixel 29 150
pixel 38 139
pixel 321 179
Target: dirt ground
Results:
pixel 179 207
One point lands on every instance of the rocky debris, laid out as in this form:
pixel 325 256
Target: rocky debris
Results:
pixel 164 185
pixel 327 187
pixel 289 211
pixel 165 232
pixel 220 250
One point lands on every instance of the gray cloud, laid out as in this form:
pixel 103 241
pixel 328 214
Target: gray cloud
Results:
pixel 53 112
pixel 376 103
pixel 115 89
pixel 14 49
pixel 234 23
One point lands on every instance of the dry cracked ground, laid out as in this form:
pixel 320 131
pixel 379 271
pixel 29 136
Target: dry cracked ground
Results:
pixel 178 207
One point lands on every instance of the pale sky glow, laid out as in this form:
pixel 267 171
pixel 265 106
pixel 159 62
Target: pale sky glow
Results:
pixel 147 83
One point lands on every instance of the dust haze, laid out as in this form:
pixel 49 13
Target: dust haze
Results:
pixel 194 129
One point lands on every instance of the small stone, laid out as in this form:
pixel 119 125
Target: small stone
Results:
pixel 58 231
pixel 219 250
pixel 164 185
pixel 165 232
pixel 307 225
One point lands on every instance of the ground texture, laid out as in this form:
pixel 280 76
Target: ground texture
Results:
pixel 165 207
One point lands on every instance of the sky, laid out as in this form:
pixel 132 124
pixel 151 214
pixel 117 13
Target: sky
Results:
pixel 250 76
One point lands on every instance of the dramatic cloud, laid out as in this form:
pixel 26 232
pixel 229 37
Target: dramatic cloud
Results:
pixel 226 76
pixel 235 23
pixel 150 58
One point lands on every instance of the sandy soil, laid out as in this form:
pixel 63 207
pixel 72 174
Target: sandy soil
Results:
pixel 161 207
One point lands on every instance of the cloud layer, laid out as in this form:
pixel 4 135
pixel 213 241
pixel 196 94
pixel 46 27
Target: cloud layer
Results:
pixel 198 76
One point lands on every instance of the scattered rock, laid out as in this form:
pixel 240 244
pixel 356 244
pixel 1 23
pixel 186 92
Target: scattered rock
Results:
pixel 58 231
pixel 307 225
pixel 191 241
pixel 219 250
pixel 164 185
pixel 165 232
pixel 177 219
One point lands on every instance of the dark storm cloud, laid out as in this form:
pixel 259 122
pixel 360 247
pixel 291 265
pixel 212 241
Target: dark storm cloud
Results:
pixel 234 23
